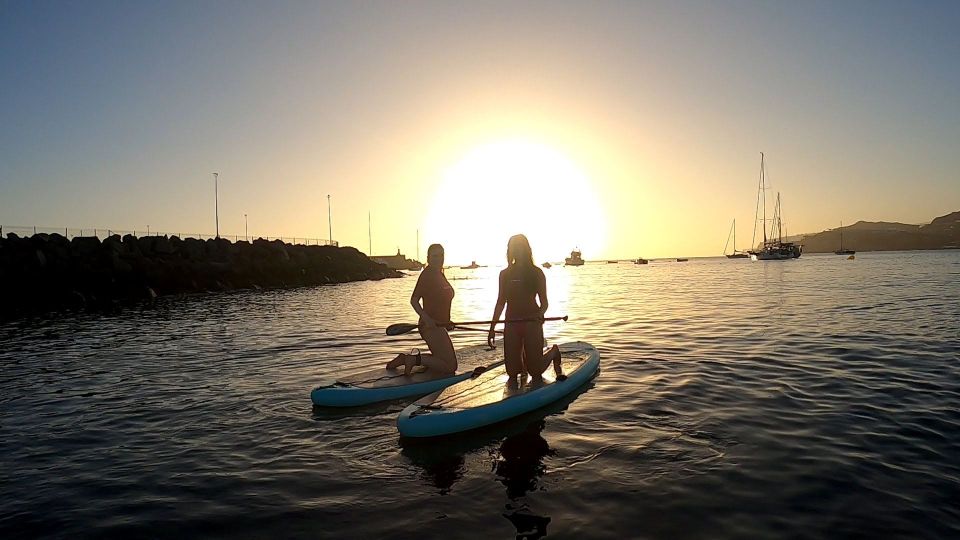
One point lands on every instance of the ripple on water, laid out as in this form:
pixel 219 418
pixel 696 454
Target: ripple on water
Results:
pixel 813 398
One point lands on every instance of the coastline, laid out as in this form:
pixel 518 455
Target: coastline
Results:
pixel 48 272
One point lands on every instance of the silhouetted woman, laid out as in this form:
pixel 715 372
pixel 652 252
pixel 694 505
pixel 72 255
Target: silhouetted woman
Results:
pixel 521 283
pixel 436 293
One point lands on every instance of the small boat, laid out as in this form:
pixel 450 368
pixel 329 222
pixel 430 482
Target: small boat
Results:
pixel 736 254
pixel 546 265
pixel 612 262
pixel 682 260
pixel 641 260
pixel 842 251
pixel 773 250
pixel 473 265
pixel 574 259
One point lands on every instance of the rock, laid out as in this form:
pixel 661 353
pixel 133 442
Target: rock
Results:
pixel 84 246
pixel 162 246
pixel 192 249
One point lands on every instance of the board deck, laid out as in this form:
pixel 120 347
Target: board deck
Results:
pixel 380 384
pixel 489 398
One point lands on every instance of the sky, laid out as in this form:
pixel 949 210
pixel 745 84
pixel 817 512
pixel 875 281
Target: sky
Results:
pixel 624 129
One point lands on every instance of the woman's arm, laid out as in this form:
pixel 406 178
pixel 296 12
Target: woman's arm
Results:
pixel 415 299
pixel 497 310
pixel 542 293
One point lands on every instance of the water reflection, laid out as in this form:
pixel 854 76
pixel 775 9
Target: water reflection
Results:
pixel 517 448
pixel 519 467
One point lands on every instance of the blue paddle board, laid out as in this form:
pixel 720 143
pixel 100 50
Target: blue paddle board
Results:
pixel 382 384
pixel 488 398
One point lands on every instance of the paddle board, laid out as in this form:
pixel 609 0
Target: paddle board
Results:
pixel 382 384
pixel 488 398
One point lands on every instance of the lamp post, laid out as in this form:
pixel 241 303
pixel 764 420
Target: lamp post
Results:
pixel 245 233
pixel 216 202
pixel 329 221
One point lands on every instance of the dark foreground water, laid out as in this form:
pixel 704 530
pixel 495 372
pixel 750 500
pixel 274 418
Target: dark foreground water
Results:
pixel 812 398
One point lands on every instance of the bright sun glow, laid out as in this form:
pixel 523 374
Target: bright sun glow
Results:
pixel 509 187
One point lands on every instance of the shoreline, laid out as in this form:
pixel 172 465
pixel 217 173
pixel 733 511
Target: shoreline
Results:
pixel 48 272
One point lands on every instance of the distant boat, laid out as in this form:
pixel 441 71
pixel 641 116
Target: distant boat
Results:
pixel 773 250
pixel 546 265
pixel 574 259
pixel 682 260
pixel 397 262
pixel 473 264
pixel 641 260
pixel 842 251
pixel 736 254
pixel 612 262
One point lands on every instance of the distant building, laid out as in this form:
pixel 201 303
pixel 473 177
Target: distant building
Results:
pixel 397 262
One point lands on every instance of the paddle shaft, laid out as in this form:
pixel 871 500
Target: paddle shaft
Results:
pixel 529 319
pixel 402 328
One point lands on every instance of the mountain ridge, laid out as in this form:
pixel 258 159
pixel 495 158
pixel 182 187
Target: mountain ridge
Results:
pixel 943 232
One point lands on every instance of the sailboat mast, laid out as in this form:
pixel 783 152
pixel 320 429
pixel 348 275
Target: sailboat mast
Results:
pixel 779 221
pixel 763 191
pixel 734 235
pixel 841 236
pixel 725 246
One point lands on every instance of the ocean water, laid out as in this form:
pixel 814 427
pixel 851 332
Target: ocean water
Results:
pixel 815 398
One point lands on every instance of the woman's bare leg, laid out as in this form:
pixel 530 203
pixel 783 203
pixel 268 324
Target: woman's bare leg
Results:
pixel 442 357
pixel 533 350
pixel 513 350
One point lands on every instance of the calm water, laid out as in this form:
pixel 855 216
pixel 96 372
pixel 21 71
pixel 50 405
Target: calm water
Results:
pixel 810 398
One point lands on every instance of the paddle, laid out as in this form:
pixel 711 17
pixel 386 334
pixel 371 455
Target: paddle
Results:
pixel 403 328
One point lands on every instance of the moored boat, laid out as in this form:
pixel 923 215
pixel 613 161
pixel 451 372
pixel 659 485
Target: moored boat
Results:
pixel 574 259
pixel 842 251
pixel 736 254
pixel 773 249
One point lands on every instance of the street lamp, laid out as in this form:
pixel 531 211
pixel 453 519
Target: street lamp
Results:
pixel 329 221
pixel 216 202
pixel 245 234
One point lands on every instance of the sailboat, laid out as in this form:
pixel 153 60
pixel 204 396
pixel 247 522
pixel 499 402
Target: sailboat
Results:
pixel 773 249
pixel 842 251
pixel 736 254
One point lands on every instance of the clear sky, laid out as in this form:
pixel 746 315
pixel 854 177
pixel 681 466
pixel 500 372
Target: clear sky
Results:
pixel 624 128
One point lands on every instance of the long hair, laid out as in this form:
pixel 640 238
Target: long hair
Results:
pixel 432 249
pixel 520 258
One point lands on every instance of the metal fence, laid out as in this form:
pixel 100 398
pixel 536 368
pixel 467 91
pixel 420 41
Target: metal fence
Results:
pixel 70 232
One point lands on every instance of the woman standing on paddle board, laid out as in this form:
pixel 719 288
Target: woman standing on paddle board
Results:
pixel 521 283
pixel 436 293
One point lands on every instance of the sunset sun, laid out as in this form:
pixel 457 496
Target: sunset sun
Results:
pixel 514 186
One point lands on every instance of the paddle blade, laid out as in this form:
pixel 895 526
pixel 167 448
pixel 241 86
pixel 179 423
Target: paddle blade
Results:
pixel 400 328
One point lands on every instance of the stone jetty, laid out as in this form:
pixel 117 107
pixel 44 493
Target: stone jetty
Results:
pixel 48 272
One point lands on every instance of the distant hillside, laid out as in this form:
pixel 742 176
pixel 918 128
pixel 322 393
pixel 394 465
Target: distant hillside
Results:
pixel 942 232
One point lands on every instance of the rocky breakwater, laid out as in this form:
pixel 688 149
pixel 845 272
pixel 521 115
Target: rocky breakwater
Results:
pixel 46 272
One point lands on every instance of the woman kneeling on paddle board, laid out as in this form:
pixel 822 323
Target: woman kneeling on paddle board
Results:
pixel 437 295
pixel 521 282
